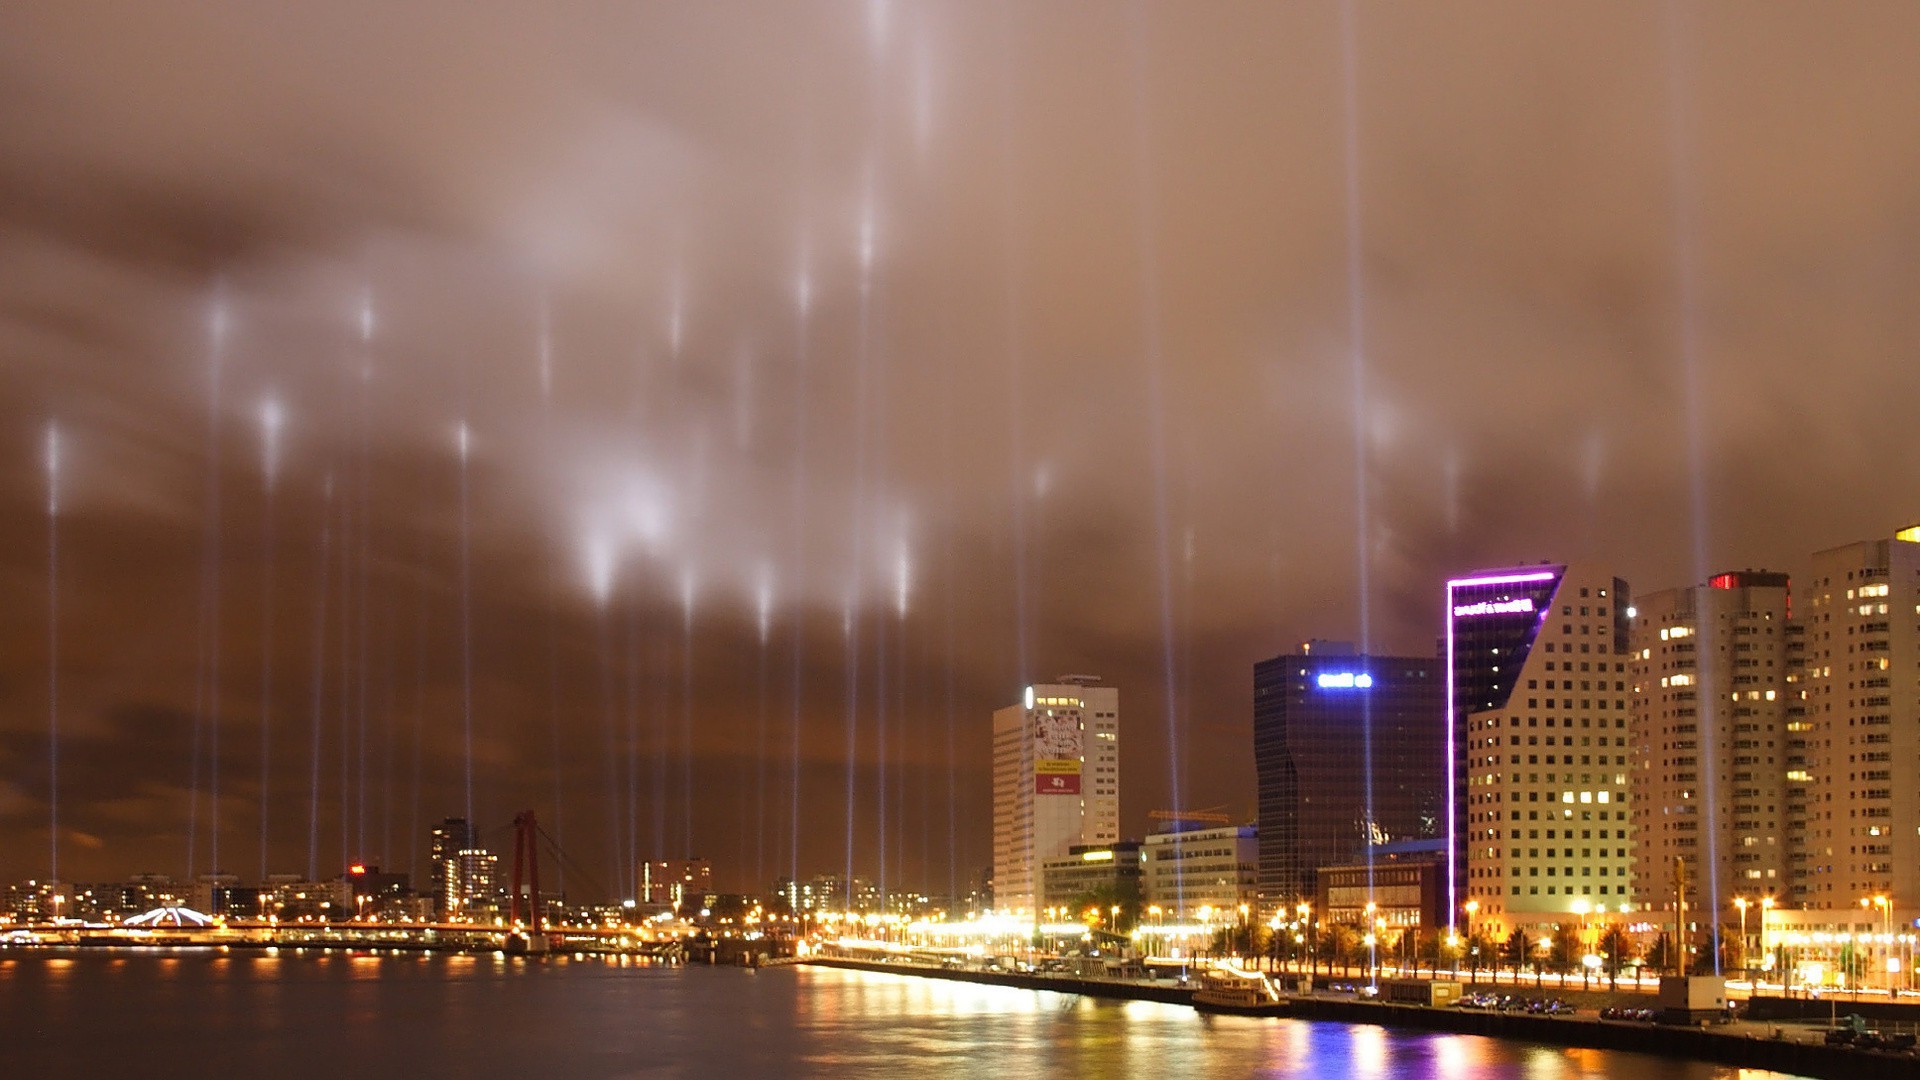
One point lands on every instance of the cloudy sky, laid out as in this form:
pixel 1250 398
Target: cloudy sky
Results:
pixel 634 393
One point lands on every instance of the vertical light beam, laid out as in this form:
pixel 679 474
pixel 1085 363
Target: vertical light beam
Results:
pixel 53 657
pixel 271 421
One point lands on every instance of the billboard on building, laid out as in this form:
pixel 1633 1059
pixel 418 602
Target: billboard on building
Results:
pixel 1056 751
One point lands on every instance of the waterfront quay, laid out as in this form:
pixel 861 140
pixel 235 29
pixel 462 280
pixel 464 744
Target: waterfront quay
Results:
pixel 1796 1048
pixel 377 936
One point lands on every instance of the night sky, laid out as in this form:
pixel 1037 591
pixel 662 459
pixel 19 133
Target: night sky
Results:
pixel 861 362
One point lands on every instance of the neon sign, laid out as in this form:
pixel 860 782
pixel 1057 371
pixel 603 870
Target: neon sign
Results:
pixel 1345 680
pixel 1495 607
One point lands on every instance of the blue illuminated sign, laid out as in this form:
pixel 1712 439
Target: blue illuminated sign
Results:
pixel 1345 680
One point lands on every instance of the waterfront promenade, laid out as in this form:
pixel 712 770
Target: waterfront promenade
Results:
pixel 1787 1047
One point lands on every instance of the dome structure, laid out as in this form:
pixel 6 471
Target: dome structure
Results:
pixel 171 917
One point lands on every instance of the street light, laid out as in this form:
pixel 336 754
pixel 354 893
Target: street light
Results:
pixel 1581 908
pixel 1473 965
pixel 1885 904
pixel 1745 967
pixel 1302 910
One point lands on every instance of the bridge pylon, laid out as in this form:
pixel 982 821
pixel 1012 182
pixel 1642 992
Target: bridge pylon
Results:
pixel 526 872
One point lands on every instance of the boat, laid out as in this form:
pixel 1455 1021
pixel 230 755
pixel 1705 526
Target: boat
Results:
pixel 1232 990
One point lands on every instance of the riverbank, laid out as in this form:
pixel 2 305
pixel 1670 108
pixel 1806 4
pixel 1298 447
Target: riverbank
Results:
pixel 1744 1045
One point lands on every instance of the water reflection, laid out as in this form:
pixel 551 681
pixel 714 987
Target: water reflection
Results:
pixel 315 1014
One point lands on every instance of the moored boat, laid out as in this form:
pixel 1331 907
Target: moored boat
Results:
pixel 1231 990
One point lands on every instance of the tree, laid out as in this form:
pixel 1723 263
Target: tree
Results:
pixel 1125 895
pixel 1733 950
pixel 1343 945
pixel 1566 950
pixel 1616 949
pixel 1515 952
pixel 1482 951
pixel 1427 945
pixel 1660 956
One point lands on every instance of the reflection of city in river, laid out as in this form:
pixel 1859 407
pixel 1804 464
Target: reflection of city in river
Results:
pixel 332 1015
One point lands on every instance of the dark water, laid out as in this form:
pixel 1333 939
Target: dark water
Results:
pixel 244 1014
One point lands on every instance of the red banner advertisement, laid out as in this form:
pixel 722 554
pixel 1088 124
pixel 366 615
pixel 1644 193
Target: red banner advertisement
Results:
pixel 1056 784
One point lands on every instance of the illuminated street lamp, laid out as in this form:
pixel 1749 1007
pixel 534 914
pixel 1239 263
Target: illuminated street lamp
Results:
pixel 1473 964
pixel 1581 908
pixel 1746 968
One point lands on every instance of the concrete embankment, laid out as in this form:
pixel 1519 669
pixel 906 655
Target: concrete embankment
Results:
pixel 1701 1044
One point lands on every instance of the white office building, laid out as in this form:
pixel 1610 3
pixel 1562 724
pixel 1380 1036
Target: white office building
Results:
pixel 1056 780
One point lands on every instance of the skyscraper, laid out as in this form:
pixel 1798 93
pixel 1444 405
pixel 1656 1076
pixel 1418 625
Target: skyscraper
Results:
pixel 1056 780
pixel 1348 750
pixel 1537 673
pixel 474 887
pixel 447 840
pixel 1714 689
pixel 1854 797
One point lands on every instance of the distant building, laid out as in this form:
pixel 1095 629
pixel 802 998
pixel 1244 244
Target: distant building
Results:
pixel 1056 781
pixel 219 894
pixel 447 840
pixel 474 888
pixel 674 883
pixel 1188 869
pixel 381 894
pixel 829 892
pixel 980 890
pixel 1111 870
pixel 1349 750
pixel 35 901
pixel 291 898
pixel 1715 687
pixel 1538 681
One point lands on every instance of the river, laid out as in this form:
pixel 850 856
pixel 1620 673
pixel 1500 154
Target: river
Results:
pixel 281 1014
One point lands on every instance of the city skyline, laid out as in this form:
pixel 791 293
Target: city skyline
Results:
pixel 608 415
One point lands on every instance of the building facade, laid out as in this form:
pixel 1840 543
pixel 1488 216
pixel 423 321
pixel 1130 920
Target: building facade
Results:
pixel 1714 676
pixel 1104 870
pixel 1056 781
pixel 474 888
pixel 447 840
pixel 1347 750
pixel 1854 792
pixel 673 882
pixel 1188 869
pixel 1537 672
pixel 1402 888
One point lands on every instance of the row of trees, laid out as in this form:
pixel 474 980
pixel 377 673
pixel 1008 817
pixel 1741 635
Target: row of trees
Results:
pixel 1344 948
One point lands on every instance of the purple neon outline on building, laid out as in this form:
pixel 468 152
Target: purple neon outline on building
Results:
pixel 1453 823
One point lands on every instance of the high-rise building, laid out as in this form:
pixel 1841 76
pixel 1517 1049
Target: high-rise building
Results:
pixel 1854 799
pixel 1713 673
pixel 1537 673
pixel 447 840
pixel 1348 751
pixel 474 887
pixel 1056 780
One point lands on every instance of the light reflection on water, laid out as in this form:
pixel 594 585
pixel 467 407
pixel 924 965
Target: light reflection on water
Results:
pixel 301 1014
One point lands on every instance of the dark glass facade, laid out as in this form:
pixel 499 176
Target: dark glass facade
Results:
pixel 1493 617
pixel 1320 718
